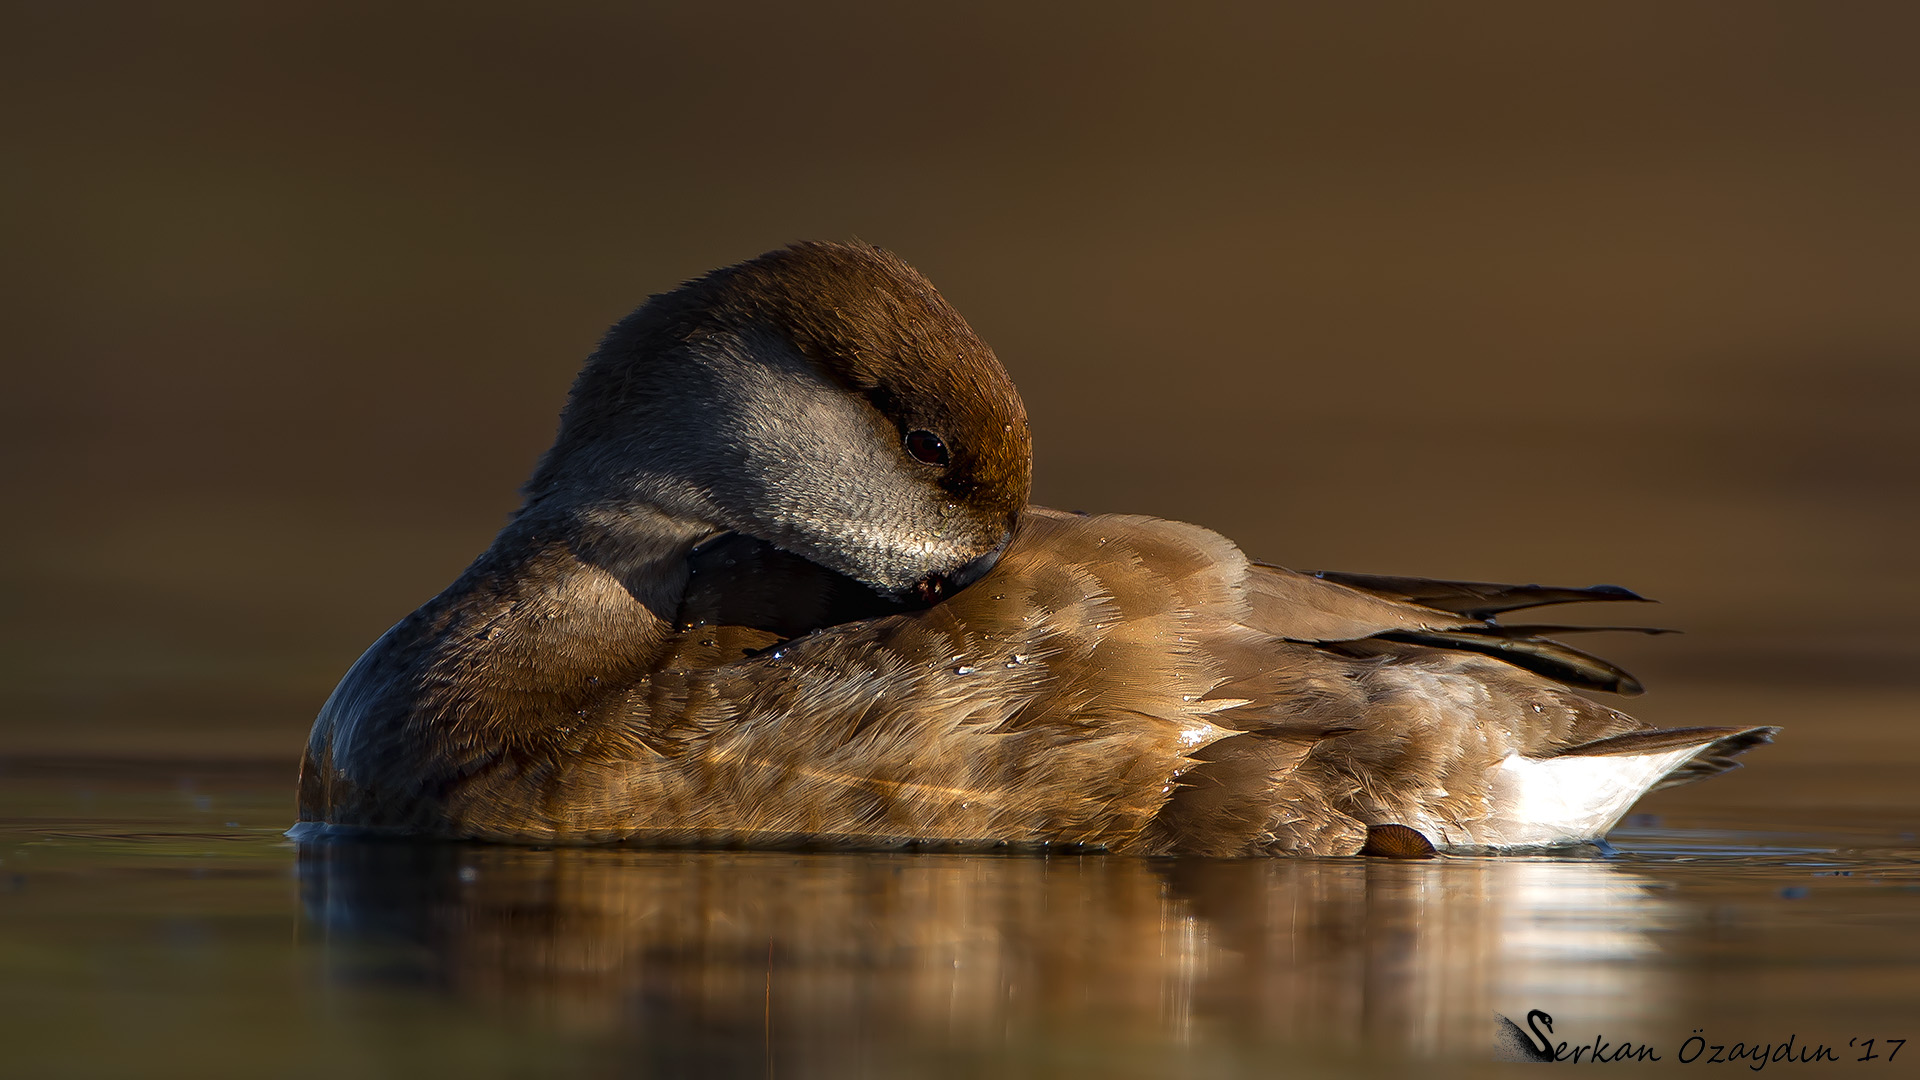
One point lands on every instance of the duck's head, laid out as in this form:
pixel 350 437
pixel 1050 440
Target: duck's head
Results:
pixel 822 398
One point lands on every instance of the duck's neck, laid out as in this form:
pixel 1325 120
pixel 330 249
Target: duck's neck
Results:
pixel 563 608
pixel 620 558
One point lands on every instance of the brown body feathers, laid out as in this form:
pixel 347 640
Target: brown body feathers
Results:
pixel 777 583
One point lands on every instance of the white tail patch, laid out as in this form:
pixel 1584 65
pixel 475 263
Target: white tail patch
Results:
pixel 1566 799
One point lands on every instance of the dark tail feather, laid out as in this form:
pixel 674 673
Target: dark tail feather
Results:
pixel 1526 630
pixel 1718 757
pixel 1718 748
pixel 1475 599
pixel 1542 656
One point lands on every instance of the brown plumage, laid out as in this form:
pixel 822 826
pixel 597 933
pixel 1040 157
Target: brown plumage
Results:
pixel 776 583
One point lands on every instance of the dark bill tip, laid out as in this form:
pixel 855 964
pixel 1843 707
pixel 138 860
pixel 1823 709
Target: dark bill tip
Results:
pixel 934 588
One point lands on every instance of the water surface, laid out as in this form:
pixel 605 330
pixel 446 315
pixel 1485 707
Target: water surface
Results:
pixel 153 918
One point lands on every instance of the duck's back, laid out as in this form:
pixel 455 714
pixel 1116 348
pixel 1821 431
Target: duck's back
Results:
pixel 1121 682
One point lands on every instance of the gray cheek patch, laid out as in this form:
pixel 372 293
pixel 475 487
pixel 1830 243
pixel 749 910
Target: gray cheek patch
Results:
pixel 816 472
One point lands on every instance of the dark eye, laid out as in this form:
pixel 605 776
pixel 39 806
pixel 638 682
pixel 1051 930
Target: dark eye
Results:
pixel 926 446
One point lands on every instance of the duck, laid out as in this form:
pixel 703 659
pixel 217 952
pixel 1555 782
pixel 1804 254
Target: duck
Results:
pixel 777 584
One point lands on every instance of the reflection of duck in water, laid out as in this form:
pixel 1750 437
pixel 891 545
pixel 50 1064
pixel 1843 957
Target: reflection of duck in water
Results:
pixel 888 953
pixel 777 582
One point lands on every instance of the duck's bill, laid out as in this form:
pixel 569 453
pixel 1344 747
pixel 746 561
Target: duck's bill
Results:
pixel 934 588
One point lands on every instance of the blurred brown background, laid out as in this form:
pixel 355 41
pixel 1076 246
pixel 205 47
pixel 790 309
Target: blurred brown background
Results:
pixel 293 294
